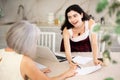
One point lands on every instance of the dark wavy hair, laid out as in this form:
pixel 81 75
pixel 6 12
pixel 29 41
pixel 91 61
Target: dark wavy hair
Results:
pixel 76 8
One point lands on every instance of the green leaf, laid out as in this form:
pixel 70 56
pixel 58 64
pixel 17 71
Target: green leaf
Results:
pixel 1 13
pixel 109 43
pixel 109 78
pixel 114 7
pixel 118 14
pixel 106 54
pixel 105 38
pixel 114 61
pixel 118 21
pixel 101 5
pixel 96 28
pixel 117 29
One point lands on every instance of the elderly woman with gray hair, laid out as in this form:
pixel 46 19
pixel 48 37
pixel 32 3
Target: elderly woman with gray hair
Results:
pixel 17 59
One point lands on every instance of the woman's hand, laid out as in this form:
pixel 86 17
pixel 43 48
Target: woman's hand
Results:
pixel 69 73
pixel 46 70
pixel 73 65
pixel 96 62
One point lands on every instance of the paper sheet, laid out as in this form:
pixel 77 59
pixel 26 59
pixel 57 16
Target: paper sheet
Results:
pixel 87 70
pixel 82 60
pixel 40 66
pixel 60 54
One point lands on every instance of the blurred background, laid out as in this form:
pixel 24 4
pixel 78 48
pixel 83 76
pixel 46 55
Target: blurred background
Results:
pixel 48 15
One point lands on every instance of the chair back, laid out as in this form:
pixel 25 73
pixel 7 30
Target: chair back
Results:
pixel 47 39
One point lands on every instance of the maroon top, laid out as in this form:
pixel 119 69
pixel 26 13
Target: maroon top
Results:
pixel 80 46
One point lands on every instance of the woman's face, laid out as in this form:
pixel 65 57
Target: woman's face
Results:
pixel 75 18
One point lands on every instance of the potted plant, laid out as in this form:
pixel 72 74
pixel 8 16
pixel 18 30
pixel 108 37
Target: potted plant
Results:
pixel 113 8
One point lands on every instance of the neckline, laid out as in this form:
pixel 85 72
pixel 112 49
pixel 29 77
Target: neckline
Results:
pixel 80 32
pixel 8 50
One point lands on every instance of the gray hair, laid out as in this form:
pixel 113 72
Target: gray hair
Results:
pixel 22 37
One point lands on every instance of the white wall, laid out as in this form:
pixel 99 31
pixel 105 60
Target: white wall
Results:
pixel 37 10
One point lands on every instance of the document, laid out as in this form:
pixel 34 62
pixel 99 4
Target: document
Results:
pixel 60 54
pixel 82 60
pixel 87 70
pixel 40 66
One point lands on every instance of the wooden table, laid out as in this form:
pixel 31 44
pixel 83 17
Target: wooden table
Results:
pixel 112 70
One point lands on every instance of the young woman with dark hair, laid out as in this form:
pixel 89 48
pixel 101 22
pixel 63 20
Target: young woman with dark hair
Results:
pixel 77 34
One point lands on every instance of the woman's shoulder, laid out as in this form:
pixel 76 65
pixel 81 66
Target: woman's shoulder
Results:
pixel 91 22
pixel 27 61
pixel 26 65
pixel 65 31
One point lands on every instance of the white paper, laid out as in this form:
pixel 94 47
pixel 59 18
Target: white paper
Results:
pixel 60 54
pixel 40 66
pixel 87 70
pixel 82 60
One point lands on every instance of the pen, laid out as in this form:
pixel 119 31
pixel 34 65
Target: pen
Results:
pixel 77 65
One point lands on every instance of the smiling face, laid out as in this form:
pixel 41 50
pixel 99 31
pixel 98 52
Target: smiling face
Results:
pixel 75 18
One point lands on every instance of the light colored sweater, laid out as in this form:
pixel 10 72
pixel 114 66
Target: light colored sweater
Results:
pixel 10 65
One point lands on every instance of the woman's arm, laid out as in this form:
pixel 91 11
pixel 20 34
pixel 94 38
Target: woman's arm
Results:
pixel 29 69
pixel 67 44
pixel 94 42
pixel 66 38
pixel 63 76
